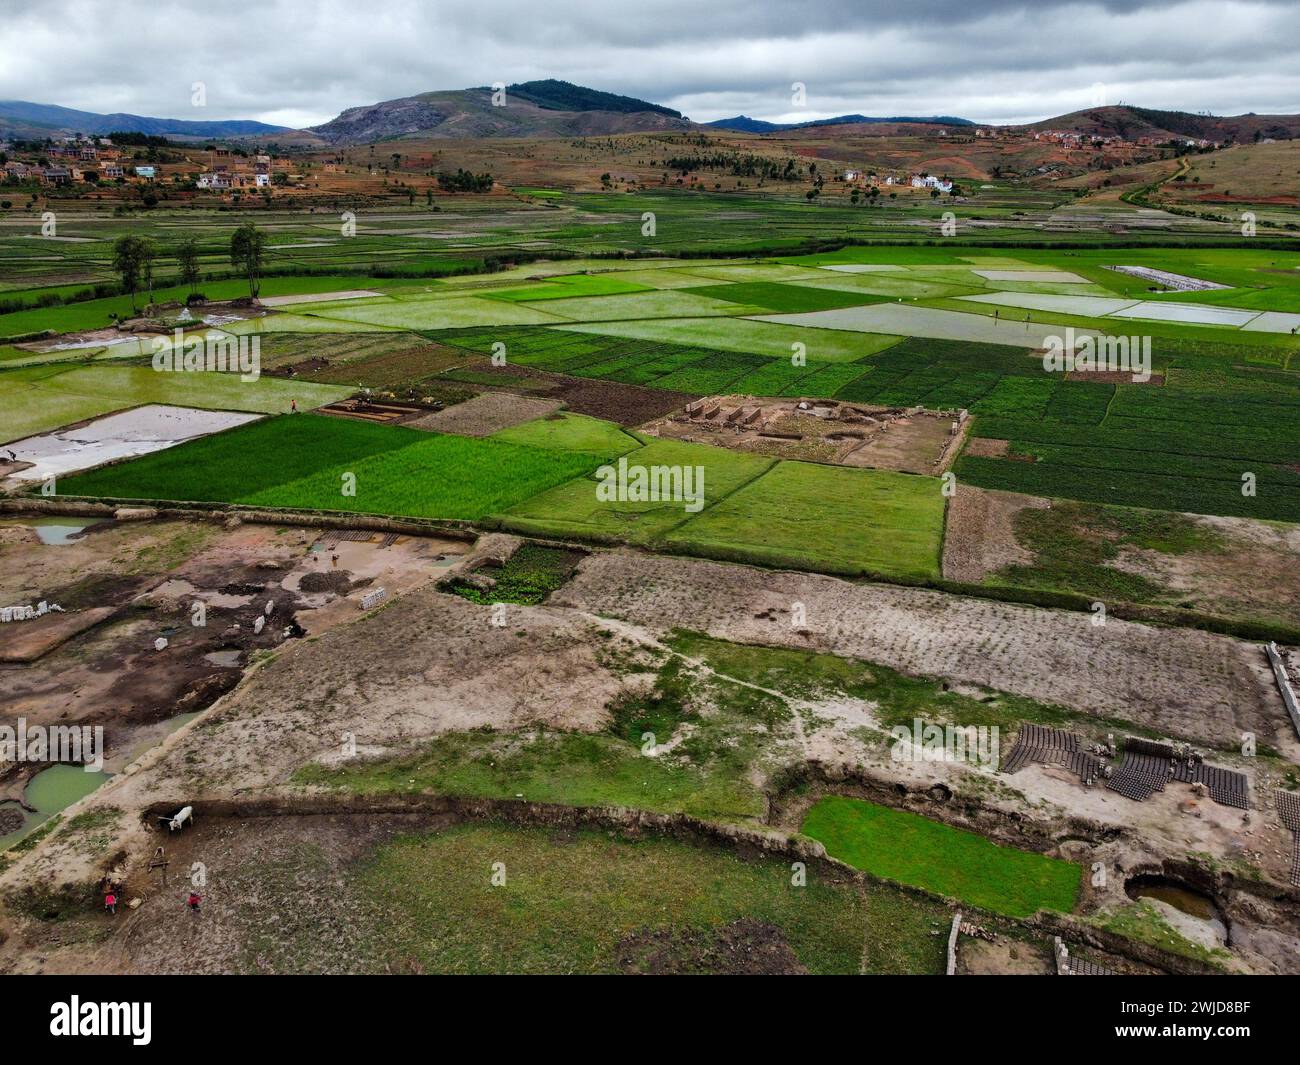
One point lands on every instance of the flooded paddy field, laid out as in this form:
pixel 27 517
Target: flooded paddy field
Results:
pixel 127 434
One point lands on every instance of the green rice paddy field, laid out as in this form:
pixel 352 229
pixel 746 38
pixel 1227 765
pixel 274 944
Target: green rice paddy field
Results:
pixel 537 478
pixel 1215 431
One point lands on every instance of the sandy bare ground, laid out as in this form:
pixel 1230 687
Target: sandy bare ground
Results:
pixel 980 537
pixel 487 413
pixel 1190 683
pixel 427 663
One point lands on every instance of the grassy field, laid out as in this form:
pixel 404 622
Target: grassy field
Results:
pixel 571 432
pixel 307 461
pixel 827 518
pixel 914 850
pixel 574 508
pixel 587 902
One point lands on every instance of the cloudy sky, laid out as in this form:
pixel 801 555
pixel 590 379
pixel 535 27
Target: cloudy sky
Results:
pixel 299 62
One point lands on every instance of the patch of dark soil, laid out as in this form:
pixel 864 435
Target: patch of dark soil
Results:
pixel 161 686
pixel 11 818
pixel 745 947
pixel 242 588
pixel 312 365
pixel 99 589
pixel 338 581
pixel 611 400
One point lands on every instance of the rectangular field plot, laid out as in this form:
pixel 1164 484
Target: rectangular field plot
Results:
pixel 309 461
pixel 786 298
pixel 910 849
pixel 1089 306
pixel 754 336
pixel 39 399
pixel 637 305
pixel 909 320
pixel 453 313
pixel 574 508
pixel 826 518
pixel 564 431
pixel 127 434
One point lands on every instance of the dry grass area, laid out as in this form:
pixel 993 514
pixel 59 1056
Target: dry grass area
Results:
pixel 980 533
pixel 1175 681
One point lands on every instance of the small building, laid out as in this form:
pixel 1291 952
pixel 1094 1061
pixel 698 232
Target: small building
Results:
pixel 112 171
pixel 146 172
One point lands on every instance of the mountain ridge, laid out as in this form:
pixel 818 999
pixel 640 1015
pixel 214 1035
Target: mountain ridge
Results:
pixel 32 119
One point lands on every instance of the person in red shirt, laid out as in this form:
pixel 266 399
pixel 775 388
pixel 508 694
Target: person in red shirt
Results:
pixel 193 902
pixel 110 903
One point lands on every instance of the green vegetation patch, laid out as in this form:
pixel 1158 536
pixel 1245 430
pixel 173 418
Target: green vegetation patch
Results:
pixel 571 768
pixel 564 431
pixel 911 849
pixel 589 902
pixel 528 576
pixel 576 509
pixel 779 298
pixel 1076 544
pixel 314 462
pixel 826 518
pixel 39 399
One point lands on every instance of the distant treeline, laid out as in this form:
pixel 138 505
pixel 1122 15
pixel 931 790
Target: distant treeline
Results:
pixel 140 140
pixel 464 181
pixel 736 164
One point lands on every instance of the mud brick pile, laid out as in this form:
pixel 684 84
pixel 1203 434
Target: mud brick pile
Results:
pixel 1051 746
pixel 1147 766
pixel 1288 808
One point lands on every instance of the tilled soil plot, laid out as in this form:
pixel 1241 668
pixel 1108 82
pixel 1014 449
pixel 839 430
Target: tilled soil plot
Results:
pixel 1178 682
pixel 486 414
pixel 611 400
pixel 980 537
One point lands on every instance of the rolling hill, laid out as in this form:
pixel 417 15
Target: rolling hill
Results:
pixel 547 108
pixel 1131 123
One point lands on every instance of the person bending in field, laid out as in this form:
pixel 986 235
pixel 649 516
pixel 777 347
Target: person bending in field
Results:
pixel 193 902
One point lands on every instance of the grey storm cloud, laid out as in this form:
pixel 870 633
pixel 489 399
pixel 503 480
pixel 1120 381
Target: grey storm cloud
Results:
pixel 298 62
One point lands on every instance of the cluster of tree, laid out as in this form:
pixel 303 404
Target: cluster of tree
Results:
pixel 736 164
pixel 124 138
pixel 464 181
pixel 134 257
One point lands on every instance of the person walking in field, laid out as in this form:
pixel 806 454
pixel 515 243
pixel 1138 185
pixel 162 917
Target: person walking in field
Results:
pixel 193 902
pixel 110 903
pixel 293 406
